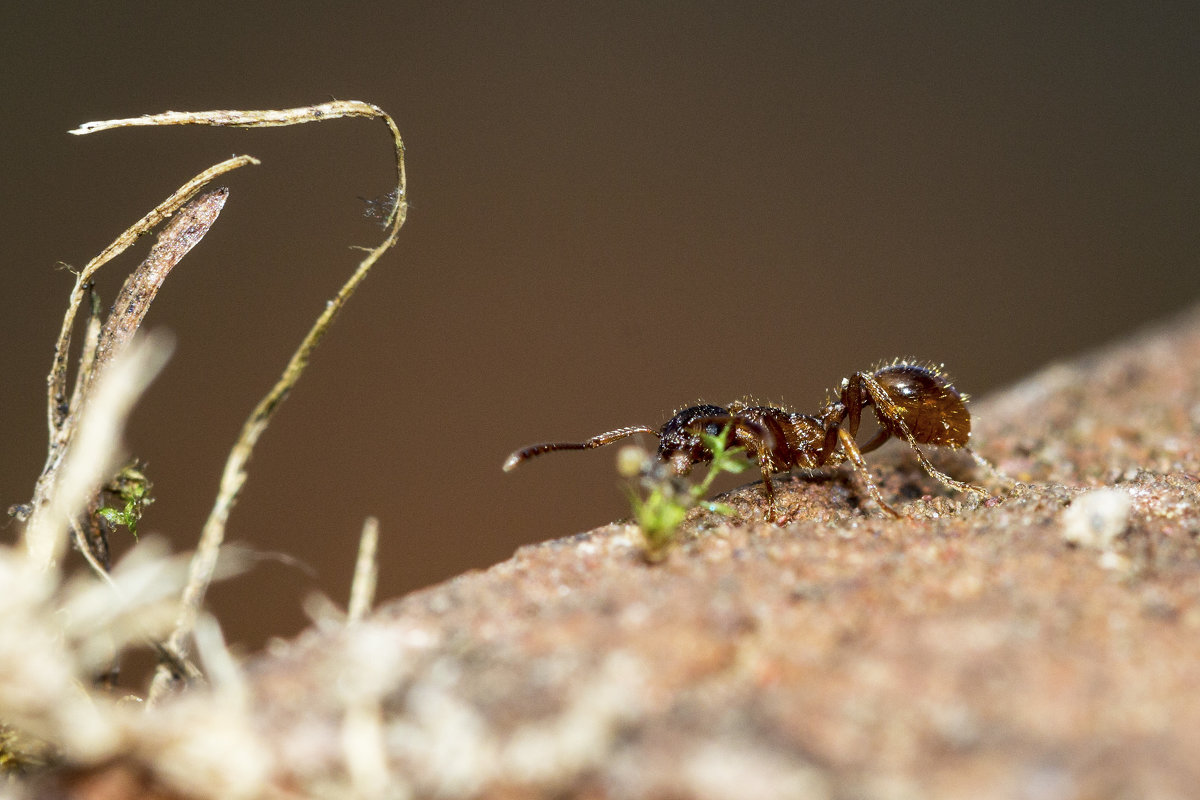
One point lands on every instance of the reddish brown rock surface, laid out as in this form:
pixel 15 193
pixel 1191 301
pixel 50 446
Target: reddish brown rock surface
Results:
pixel 968 650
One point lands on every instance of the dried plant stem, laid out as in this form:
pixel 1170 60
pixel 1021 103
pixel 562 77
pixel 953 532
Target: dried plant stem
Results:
pixel 103 344
pixel 179 236
pixel 233 477
pixel 93 452
pixel 91 344
pixel 62 414
pixel 273 118
pixel 364 747
pixel 89 556
pixel 366 572
pixel 57 381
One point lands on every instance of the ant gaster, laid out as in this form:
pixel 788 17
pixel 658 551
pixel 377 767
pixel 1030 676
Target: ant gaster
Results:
pixel 913 402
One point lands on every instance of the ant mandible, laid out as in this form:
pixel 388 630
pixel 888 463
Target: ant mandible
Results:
pixel 913 402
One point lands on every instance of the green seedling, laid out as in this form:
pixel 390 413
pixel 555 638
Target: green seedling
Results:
pixel 669 497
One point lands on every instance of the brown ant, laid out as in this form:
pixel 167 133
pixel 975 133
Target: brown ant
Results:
pixel 913 402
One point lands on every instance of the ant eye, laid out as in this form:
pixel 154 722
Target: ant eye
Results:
pixel 712 429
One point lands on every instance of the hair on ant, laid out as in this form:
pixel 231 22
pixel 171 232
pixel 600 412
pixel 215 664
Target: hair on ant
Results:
pixel 913 402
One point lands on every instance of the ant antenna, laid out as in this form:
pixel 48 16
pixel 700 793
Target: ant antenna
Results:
pixel 596 441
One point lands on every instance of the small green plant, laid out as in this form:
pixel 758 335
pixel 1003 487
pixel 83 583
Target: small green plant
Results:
pixel 668 497
pixel 131 488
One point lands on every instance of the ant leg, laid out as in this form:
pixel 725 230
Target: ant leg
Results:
pixel 768 488
pixel 599 440
pixel 885 406
pixel 990 469
pixel 763 440
pixel 876 441
pixel 943 478
pixel 855 456
pixel 756 438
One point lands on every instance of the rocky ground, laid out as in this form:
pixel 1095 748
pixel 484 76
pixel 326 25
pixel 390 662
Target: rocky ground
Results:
pixel 1042 644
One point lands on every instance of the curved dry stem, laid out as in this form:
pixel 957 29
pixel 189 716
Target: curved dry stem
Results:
pixel 104 343
pixel 178 237
pixel 233 477
pixel 273 118
pixel 57 405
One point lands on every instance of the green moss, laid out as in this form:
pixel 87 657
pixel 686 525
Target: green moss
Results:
pixel 664 499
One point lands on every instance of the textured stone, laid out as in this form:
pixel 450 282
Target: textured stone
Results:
pixel 966 650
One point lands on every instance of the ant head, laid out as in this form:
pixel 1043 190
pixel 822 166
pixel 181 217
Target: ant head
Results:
pixel 679 441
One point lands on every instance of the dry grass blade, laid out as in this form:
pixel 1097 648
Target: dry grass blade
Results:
pixel 179 236
pixel 366 572
pixel 91 344
pixel 57 381
pixel 103 344
pixel 234 475
pixel 273 118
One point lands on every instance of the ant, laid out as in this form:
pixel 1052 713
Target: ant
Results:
pixel 913 402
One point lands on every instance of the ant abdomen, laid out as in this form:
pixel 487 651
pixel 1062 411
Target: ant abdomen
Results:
pixel 926 402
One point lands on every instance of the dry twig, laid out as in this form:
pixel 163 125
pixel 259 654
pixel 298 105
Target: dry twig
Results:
pixel 92 453
pixel 234 475
pixel 179 236
pixel 366 571
pixel 57 381
pixel 104 343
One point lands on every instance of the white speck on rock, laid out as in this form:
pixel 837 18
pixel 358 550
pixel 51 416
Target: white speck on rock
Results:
pixel 1097 518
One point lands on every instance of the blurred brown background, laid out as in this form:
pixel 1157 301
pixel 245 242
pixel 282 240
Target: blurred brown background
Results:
pixel 616 210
